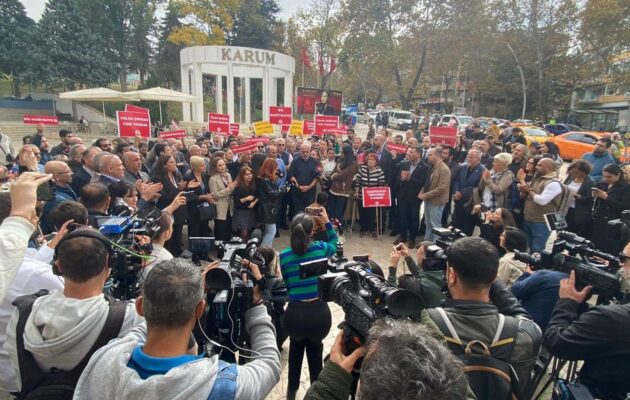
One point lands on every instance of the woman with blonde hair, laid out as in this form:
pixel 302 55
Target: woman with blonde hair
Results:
pixel 221 187
pixel 197 181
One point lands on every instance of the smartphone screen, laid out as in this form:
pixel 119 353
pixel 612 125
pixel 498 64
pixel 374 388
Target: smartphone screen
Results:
pixel 45 192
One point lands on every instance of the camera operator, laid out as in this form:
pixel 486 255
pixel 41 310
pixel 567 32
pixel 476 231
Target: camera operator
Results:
pixel 429 370
pixel 429 271
pixel 156 360
pixel 63 326
pixel 307 318
pixel 159 253
pixel 598 336
pixel 476 305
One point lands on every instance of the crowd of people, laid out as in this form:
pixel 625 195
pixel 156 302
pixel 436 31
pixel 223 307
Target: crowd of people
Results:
pixel 496 190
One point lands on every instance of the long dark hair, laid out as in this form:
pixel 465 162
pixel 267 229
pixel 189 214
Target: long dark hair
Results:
pixel 159 172
pixel 301 229
pixel 347 157
pixel 241 179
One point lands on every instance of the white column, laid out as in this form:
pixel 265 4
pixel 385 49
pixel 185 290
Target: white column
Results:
pixel 230 91
pixel 266 86
pixel 218 96
pixel 198 91
pixel 288 89
pixel 248 98
pixel 185 89
pixel 273 95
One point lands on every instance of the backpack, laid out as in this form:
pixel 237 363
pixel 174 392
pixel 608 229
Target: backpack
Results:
pixel 57 384
pixel 489 375
pixel 565 199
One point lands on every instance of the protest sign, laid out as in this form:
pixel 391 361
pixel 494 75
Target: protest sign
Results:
pixel 263 128
pixel 234 129
pixel 218 123
pixel 377 197
pixel 130 107
pixel 280 115
pixel 173 134
pixel 131 124
pixel 40 119
pixel 325 122
pixel 296 128
pixel 242 148
pixel 443 135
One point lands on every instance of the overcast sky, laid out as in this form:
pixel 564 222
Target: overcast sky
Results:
pixel 35 8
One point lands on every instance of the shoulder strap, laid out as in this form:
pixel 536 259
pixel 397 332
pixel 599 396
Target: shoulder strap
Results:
pixel 224 387
pixel 113 323
pixel 439 316
pixel 30 374
pixel 504 338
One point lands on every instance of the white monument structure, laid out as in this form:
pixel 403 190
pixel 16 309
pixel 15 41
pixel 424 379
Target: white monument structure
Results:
pixel 240 81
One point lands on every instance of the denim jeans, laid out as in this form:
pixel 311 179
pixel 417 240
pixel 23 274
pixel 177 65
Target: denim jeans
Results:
pixel 537 235
pixel 337 207
pixel 270 233
pixel 432 219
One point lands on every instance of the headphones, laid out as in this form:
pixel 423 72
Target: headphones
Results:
pixel 88 233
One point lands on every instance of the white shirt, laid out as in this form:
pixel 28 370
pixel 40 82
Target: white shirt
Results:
pixel 573 187
pixel 158 255
pixel 551 191
pixel 14 235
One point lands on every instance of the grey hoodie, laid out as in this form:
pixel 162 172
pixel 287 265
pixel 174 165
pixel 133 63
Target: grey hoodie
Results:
pixel 61 330
pixel 107 375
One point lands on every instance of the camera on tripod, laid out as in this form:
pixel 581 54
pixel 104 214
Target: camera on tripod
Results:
pixel 571 252
pixel 446 236
pixel 621 227
pixel 129 256
pixel 363 295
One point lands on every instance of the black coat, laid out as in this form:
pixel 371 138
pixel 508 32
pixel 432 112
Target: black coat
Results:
pixel 408 190
pixel 269 197
pixel 167 195
pixel 80 179
pixel 584 204
pixel 388 165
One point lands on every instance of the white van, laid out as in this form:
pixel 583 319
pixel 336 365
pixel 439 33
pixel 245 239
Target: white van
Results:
pixel 462 120
pixel 400 119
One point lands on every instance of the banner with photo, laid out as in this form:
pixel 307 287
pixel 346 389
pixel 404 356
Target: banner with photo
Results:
pixel 311 101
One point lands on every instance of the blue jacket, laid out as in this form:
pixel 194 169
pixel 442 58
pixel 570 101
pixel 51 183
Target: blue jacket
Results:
pixel 598 162
pixel 61 194
pixel 464 185
pixel 538 293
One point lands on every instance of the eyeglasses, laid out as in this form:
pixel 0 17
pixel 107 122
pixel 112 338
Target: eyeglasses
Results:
pixel 623 258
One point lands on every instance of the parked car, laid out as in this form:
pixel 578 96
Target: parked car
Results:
pixel 372 114
pixel 574 145
pixel 462 120
pixel 558 129
pixel 532 132
pixel 522 122
pixel 400 119
pixel 362 117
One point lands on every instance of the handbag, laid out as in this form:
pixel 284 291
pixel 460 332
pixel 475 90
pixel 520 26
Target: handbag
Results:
pixel 207 211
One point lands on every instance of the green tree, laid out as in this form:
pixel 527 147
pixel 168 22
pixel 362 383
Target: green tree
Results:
pixel 66 52
pixel 167 63
pixel 255 24
pixel 206 22
pixel 15 48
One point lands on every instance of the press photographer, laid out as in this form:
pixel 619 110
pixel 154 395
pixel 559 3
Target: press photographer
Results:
pixel 172 301
pixel 598 336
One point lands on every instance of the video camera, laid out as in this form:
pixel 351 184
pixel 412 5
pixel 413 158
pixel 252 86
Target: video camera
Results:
pixel 621 227
pixel 446 236
pixel 363 295
pixel 129 256
pixel 229 296
pixel 571 252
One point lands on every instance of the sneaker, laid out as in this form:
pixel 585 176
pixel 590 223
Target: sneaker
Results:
pixel 411 244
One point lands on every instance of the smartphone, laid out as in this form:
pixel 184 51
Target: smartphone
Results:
pixel 45 192
pixel 399 246
pixel 313 211
pixel 190 196
pixel 484 208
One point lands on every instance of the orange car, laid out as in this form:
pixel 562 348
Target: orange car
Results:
pixel 573 145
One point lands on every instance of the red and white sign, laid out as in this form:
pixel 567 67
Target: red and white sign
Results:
pixel 40 119
pixel 242 148
pixel 280 115
pixel 398 148
pixel 219 123
pixel 130 107
pixel 309 127
pixel 325 122
pixel 132 123
pixel 259 139
pixel 344 127
pixel 285 128
pixel 234 129
pixel 443 135
pixel 377 197
pixel 336 132
pixel 173 134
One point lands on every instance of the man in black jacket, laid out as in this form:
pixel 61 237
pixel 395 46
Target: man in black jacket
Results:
pixel 387 163
pixel 84 175
pixel 598 336
pixel 412 175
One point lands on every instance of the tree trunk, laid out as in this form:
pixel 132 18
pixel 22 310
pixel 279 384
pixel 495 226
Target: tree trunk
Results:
pixel 15 87
pixel 123 77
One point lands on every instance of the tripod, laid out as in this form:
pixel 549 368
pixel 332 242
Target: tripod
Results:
pixel 557 367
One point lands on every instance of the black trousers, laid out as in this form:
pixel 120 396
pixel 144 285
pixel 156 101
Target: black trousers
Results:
pixel 307 324
pixel 408 218
pixel 367 218
pixel 301 200
pixel 174 244
pixel 463 219
pixel 223 228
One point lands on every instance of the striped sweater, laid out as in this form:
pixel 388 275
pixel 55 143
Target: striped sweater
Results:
pixel 305 289
pixel 367 178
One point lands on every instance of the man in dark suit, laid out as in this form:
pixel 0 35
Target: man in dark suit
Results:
pixel 465 183
pixel 111 169
pixel 84 175
pixel 387 163
pixel 412 174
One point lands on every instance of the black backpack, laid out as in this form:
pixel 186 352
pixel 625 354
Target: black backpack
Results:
pixel 489 376
pixel 57 384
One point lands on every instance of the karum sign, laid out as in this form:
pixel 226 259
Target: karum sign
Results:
pixel 218 123
pixel 377 197
pixel 131 124
pixel 280 115
pixel 40 119
pixel 443 135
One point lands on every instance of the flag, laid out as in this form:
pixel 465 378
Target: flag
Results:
pixel 306 60
pixel 320 63
pixel 333 64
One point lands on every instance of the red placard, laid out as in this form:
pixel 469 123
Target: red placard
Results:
pixel 325 122
pixel 443 135
pixel 309 127
pixel 40 119
pixel 285 128
pixel 234 129
pixel 313 101
pixel 377 197
pixel 336 132
pixel 398 148
pixel 242 148
pixel 344 127
pixel 259 139
pixel 130 107
pixel 280 115
pixel 132 123
pixel 218 123
pixel 173 134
